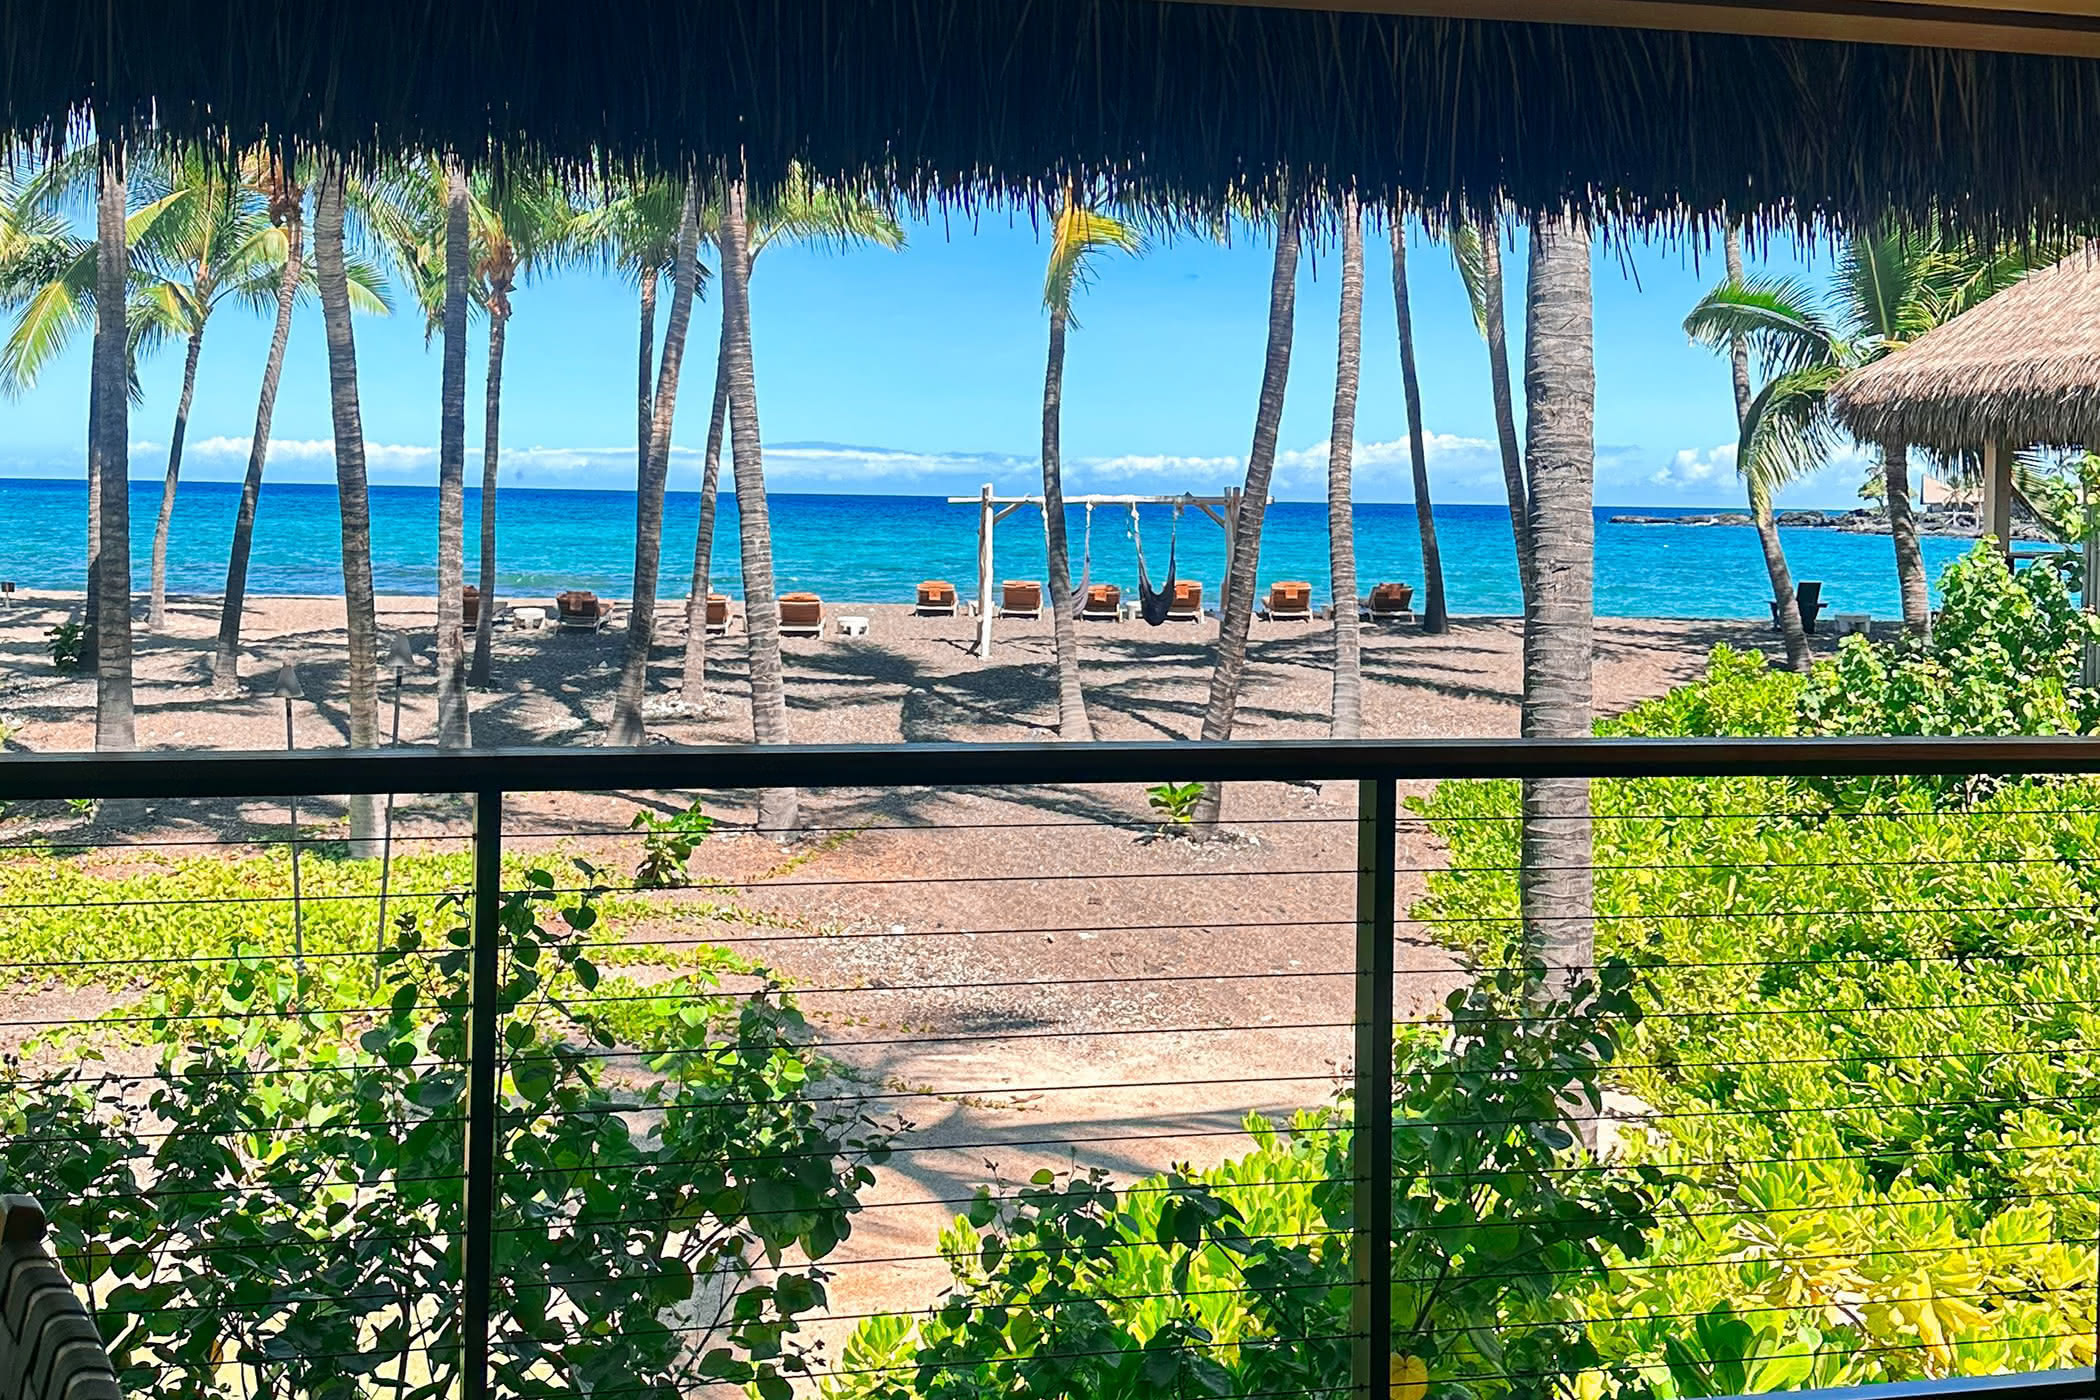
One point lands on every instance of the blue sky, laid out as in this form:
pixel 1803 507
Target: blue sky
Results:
pixel 920 372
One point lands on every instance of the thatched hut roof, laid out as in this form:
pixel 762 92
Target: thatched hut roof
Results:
pixel 2022 367
pixel 1185 103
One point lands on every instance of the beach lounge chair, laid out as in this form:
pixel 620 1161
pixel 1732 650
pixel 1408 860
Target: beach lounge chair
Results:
pixel 1808 597
pixel 1391 602
pixel 717 615
pixel 470 607
pixel 1289 601
pixel 1021 598
pixel 801 615
pixel 580 610
pixel 1188 601
pixel 936 598
pixel 1103 603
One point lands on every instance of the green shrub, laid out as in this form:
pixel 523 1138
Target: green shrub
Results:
pixel 66 642
pixel 1237 1280
pixel 277 1211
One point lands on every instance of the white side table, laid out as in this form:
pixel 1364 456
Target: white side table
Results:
pixel 1849 623
pixel 531 618
pixel 853 627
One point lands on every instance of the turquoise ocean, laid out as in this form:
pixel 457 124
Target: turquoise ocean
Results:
pixel 871 549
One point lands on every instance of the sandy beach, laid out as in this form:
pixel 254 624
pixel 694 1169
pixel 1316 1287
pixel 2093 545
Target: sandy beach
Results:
pixel 1027 978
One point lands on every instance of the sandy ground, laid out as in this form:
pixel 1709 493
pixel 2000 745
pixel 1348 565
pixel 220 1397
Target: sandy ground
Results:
pixel 1027 978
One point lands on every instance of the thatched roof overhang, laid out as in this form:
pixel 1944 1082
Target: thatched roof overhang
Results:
pixel 1184 104
pixel 2022 367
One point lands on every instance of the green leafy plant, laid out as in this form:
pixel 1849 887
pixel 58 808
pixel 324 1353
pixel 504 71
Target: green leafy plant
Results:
pixel 277 1208
pixel 66 642
pixel 668 845
pixel 1175 802
pixel 1237 1280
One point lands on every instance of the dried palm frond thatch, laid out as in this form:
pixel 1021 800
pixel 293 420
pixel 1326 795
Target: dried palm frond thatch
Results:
pixel 1186 107
pixel 2021 367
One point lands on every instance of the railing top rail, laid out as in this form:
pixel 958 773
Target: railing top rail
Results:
pixel 165 774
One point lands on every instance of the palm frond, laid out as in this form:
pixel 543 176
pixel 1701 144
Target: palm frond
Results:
pixel 1469 255
pixel 1777 316
pixel 1076 240
pixel 1788 432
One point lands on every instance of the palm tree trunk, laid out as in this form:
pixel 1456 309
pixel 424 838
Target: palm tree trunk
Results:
pixel 1560 383
pixel 1505 408
pixel 1238 616
pixel 1435 618
pixel 226 664
pixel 115 721
pixel 355 507
pixel 1789 606
pixel 769 722
pixel 91 605
pixel 1348 705
pixel 491 432
pixel 1072 722
pixel 626 727
pixel 454 725
pixel 645 376
pixel 692 683
pixel 157 609
pixel 1903 533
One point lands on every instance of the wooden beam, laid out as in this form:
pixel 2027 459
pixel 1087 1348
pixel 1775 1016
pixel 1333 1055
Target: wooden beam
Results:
pixel 1997 494
pixel 2065 27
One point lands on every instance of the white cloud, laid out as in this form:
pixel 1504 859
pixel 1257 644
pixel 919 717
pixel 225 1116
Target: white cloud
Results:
pixel 1696 469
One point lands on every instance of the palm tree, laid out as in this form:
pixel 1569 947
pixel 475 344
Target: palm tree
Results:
pixel 361 622
pixel 1238 615
pixel 626 727
pixel 802 211
pixel 518 223
pixel 1080 235
pixel 776 807
pixel 115 720
pixel 1347 719
pixel 1434 617
pixel 271 174
pixel 223 247
pixel 49 279
pixel 1476 245
pixel 454 726
pixel 1893 284
pixel 1560 384
pixel 1757 468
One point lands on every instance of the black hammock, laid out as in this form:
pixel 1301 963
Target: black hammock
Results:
pixel 1153 605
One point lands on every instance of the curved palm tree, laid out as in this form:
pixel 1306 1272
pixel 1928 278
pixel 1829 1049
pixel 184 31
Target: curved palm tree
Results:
pixel 519 224
pixel 776 806
pixel 806 212
pixel 1238 614
pixel 1078 238
pixel 626 727
pixel 331 272
pixel 1347 709
pixel 1476 247
pixel 220 244
pixel 272 175
pixel 1892 285
pixel 1435 618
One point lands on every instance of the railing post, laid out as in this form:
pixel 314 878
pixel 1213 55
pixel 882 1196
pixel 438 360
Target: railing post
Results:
pixel 1371 1248
pixel 477 1276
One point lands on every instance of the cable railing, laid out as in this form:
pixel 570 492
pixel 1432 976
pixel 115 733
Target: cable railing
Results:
pixel 995 1075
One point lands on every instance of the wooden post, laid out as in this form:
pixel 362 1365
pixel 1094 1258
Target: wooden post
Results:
pixel 1232 537
pixel 987 517
pixel 1997 495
